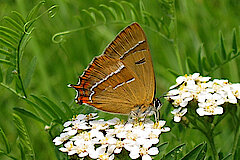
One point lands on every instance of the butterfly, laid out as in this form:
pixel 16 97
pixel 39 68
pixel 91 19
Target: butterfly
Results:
pixel 121 80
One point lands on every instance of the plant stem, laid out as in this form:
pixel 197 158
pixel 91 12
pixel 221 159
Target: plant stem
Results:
pixel 236 133
pixel 12 90
pixel 207 131
pixel 212 144
pixel 18 65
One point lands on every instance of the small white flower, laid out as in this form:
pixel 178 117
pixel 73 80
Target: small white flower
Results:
pixel 144 152
pixel 178 113
pixel 210 95
pixel 113 121
pixel 208 109
pixel 106 156
pixel 204 79
pixel 67 147
pixel 236 90
pixel 99 124
pixel 98 152
pixel 63 137
pixel 110 137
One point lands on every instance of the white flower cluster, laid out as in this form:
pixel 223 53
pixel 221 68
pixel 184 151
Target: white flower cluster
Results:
pixel 99 139
pixel 209 95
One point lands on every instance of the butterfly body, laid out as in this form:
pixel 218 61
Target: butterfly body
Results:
pixel 121 80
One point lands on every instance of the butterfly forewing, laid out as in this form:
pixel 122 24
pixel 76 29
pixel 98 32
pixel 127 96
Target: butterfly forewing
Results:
pixel 122 77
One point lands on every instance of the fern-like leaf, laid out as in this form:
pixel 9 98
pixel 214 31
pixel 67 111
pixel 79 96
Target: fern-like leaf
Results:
pixel 223 51
pixel 15 33
pixel 30 115
pixel 5 141
pixel 234 42
pixel 116 12
pixel 48 108
pixel 196 153
pixel 173 154
pixel 23 138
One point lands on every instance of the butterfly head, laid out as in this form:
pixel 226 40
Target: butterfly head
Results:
pixel 157 104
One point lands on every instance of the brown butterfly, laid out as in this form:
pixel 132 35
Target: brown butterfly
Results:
pixel 121 80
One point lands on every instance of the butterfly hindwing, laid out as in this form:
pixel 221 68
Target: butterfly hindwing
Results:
pixel 122 77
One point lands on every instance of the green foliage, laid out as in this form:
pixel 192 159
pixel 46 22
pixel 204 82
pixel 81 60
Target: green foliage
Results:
pixel 208 65
pixel 122 12
pixel 184 37
pixel 24 142
pixel 14 37
pixel 5 142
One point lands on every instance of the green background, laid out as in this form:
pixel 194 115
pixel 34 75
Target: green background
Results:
pixel 198 23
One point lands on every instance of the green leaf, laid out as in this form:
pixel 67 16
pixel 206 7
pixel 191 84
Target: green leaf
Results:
pixel 5 141
pixel 46 107
pixel 24 42
pixel 24 139
pixel 21 148
pixel 9 75
pixel 18 85
pixel 149 16
pixel 236 150
pixel 141 6
pixel 57 109
pixel 200 68
pixel 133 10
pixel 10 32
pixel 162 146
pixel 30 71
pixel 211 61
pixel 120 8
pixel 14 23
pixel 8 37
pixel 92 17
pixel 2 152
pixel 68 110
pixel 191 65
pixel 30 114
pixel 33 13
pixel 44 114
pixel 6 53
pixel 234 42
pixel 7 44
pixel 228 157
pixel 174 73
pixel 3 61
pixel 110 10
pixel 216 58
pixel 206 65
pixel 202 153
pixel 194 153
pixel 1 75
pixel 20 18
pixel 223 51
pixel 97 12
pixel 173 154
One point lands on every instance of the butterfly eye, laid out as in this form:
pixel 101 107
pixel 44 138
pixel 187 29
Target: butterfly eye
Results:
pixel 157 104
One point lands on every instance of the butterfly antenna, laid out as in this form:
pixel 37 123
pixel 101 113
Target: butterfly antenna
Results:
pixel 164 94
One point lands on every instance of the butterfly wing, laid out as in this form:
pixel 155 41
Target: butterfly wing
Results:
pixel 122 77
pixel 131 47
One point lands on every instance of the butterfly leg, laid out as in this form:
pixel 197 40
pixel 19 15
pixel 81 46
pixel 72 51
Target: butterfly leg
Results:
pixel 157 105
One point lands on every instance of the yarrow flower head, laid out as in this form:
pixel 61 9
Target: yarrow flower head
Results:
pixel 210 95
pixel 85 135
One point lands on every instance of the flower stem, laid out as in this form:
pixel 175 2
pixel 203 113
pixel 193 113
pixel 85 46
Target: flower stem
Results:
pixel 212 144
pixel 207 130
pixel 236 133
